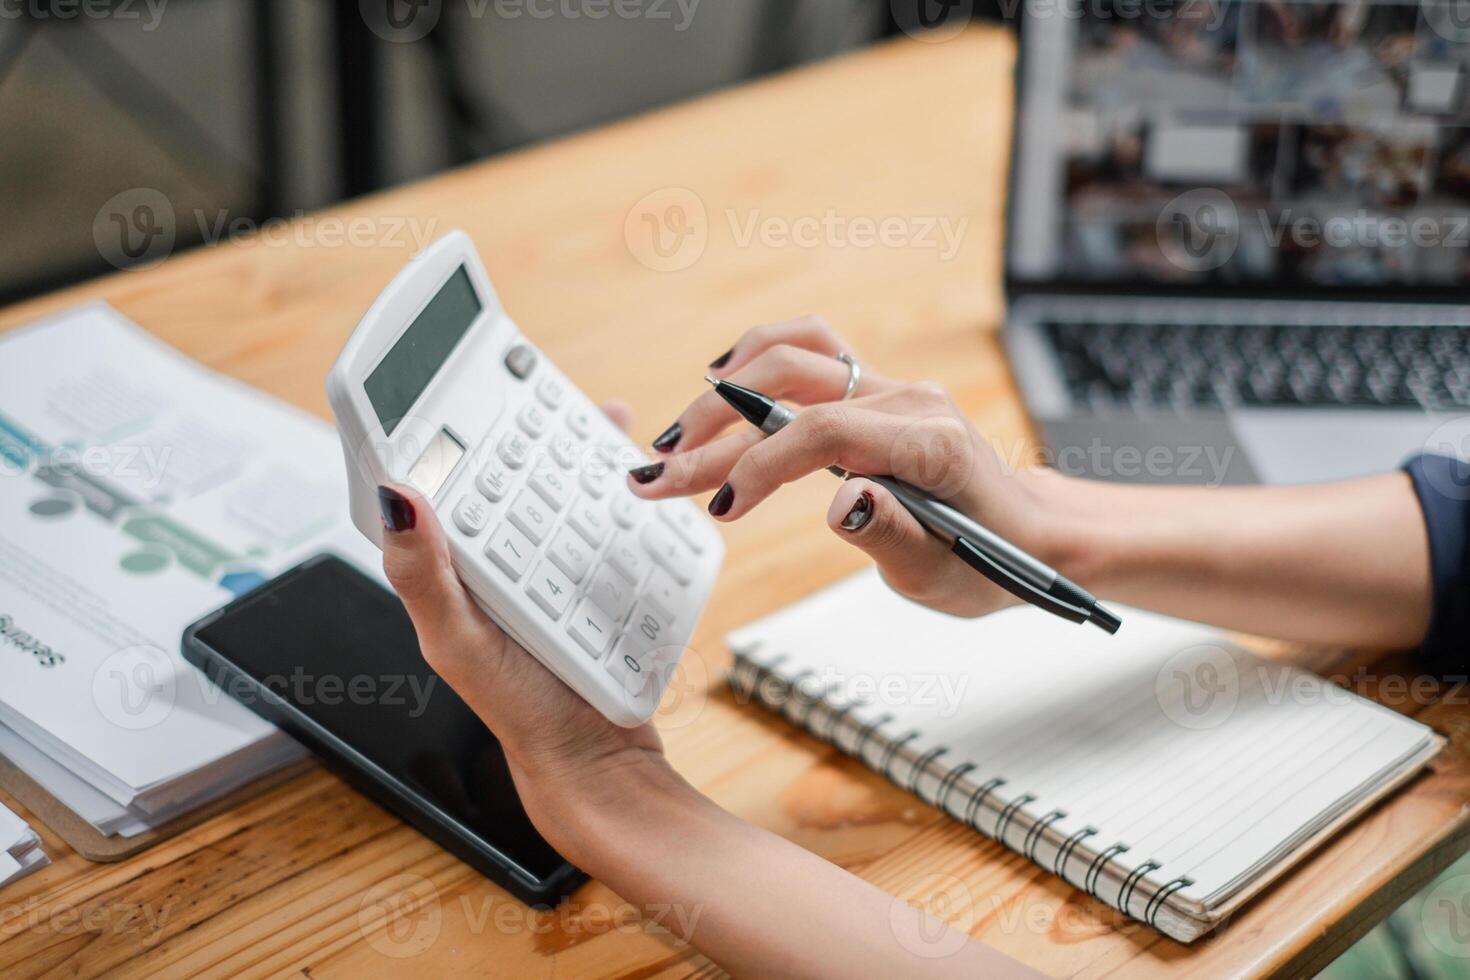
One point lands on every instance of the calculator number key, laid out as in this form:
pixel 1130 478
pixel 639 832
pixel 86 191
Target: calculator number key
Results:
pixel 624 507
pixel 667 551
pixel 646 632
pixel 591 628
pixel 627 560
pixel 531 516
pixel 551 589
pixel 570 553
pixel 510 550
pixel 612 594
pixel 631 666
pixel 589 521
pixel 550 485
pixel 595 481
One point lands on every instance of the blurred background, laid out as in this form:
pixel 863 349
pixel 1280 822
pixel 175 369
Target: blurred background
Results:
pixel 267 108
pixel 261 108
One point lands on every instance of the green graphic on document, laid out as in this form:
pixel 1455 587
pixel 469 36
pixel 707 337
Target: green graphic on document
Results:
pixel 162 540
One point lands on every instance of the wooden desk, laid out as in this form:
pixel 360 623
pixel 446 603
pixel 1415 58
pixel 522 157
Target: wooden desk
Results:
pixel 295 881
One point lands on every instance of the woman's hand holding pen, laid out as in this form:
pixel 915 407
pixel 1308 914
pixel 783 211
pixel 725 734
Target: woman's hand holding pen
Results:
pixel 913 432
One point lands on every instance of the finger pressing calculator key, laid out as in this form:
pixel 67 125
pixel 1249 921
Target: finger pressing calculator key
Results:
pixel 438 389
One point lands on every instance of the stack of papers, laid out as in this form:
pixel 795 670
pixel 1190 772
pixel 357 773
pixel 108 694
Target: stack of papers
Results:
pixel 20 848
pixel 138 492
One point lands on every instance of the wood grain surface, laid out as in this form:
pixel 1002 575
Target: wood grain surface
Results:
pixel 313 879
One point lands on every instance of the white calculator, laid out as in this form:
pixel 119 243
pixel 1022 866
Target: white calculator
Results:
pixel 439 390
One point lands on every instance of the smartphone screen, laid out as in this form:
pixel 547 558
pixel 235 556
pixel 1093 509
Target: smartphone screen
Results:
pixel 341 649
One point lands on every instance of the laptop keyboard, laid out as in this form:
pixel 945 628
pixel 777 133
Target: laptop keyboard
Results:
pixel 1182 367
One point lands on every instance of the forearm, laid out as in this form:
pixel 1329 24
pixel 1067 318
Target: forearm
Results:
pixel 753 902
pixel 1343 563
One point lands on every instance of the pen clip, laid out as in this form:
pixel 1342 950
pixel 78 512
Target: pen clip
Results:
pixel 1017 586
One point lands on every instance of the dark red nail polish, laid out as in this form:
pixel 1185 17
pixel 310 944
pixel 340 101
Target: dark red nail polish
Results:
pixel 723 359
pixel 647 474
pixel 398 513
pixel 723 501
pixel 670 438
pixel 861 513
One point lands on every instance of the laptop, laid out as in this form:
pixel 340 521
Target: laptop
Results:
pixel 1238 240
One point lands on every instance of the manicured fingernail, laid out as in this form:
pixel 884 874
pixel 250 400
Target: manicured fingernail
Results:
pixel 666 442
pixel 861 513
pixel 723 501
pixel 723 359
pixel 647 474
pixel 398 514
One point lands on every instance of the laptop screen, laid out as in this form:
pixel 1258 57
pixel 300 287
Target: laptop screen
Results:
pixel 1263 143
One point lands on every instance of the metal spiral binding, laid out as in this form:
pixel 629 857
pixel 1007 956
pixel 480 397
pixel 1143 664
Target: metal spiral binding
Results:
pixel 750 677
pixel 921 764
pixel 1098 866
pixel 893 747
pixel 1151 910
pixel 972 812
pixel 1125 893
pixel 1003 820
pixel 1034 835
pixel 941 795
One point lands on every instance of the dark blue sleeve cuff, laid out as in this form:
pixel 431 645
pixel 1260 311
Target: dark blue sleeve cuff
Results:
pixel 1443 486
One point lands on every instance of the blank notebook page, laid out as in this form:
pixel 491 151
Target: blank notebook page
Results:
pixel 1204 762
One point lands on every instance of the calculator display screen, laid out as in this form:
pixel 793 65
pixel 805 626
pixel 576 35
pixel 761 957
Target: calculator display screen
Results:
pixel 406 370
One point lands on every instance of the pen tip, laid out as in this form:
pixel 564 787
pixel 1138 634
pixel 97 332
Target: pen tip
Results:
pixel 711 381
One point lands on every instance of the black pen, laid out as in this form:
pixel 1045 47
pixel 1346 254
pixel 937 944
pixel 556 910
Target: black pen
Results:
pixel 983 550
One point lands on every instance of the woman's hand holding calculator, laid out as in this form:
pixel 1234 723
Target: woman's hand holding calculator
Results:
pixel 606 798
pixel 554 740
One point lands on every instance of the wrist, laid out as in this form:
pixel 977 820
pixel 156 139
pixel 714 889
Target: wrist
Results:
pixel 1069 534
pixel 586 815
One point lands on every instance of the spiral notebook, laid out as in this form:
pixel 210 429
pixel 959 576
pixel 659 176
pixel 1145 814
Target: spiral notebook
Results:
pixel 1166 771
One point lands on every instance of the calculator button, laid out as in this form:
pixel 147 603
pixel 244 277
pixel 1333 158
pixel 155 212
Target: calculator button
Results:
pixel 647 630
pixel 511 550
pixel 550 485
pixel 570 553
pixel 589 521
pixel 551 391
pixel 579 420
pixel 520 361
pixel 471 514
pixel 624 507
pixel 629 562
pixel 530 514
pixel 591 628
pixel 664 594
pixel 532 420
pixel 551 589
pixel 612 593
pixel 564 450
pixel 686 522
pixel 631 666
pixel 595 482
pixel 514 450
pixel 493 481
pixel 660 542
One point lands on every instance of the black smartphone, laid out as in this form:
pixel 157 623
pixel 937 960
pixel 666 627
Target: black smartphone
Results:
pixel 330 656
